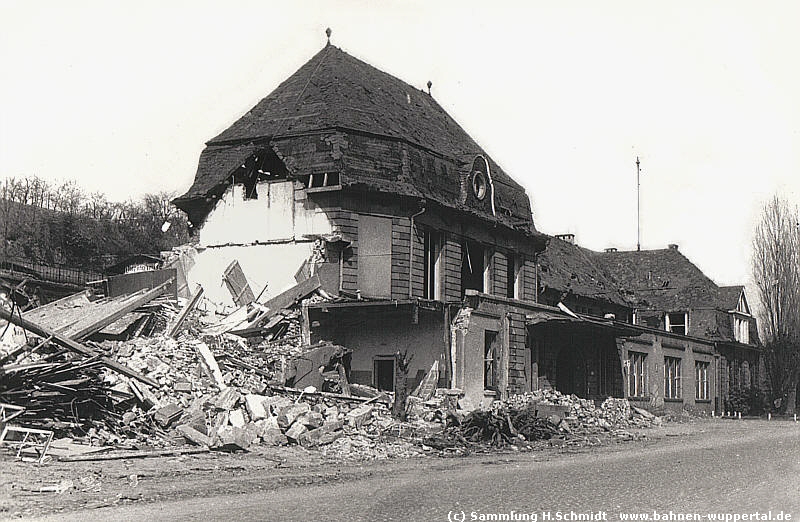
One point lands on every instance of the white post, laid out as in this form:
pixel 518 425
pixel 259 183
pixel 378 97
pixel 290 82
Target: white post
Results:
pixel 740 415
pixel 769 416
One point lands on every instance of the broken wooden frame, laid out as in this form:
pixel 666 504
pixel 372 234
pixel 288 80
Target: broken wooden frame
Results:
pixel 74 346
pixel 27 439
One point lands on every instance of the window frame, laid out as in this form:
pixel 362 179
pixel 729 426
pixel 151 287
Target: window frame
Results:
pixel 490 360
pixel 669 325
pixel 702 390
pixel 431 264
pixel 673 389
pixel 637 374
pixel 741 329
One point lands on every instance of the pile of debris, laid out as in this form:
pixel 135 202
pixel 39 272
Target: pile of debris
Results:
pixel 191 378
pixel 541 415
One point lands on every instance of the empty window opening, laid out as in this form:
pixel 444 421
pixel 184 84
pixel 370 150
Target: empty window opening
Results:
pixel 431 252
pixel 672 378
pixel 383 371
pixel 318 180
pixel 701 381
pixel 472 267
pixel 677 322
pixel 513 276
pixel 636 374
pixel 490 355
pixel 488 273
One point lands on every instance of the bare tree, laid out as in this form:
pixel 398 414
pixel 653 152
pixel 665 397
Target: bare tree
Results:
pixel 776 269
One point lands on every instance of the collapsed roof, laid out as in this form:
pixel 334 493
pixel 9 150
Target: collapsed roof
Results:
pixel 661 279
pixel 337 114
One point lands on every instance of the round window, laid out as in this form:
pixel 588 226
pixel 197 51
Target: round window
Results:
pixel 479 184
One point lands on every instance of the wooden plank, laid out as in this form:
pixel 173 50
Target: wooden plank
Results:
pixel 286 299
pixel 237 284
pixel 75 346
pixel 173 329
pixel 134 454
pixel 129 305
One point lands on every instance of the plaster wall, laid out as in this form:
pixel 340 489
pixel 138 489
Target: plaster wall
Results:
pixel 382 333
pixel 270 237
pixel 278 213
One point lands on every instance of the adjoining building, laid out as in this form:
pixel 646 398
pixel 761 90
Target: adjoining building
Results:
pixel 349 174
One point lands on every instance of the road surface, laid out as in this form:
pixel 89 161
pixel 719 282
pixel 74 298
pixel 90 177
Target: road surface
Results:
pixel 754 467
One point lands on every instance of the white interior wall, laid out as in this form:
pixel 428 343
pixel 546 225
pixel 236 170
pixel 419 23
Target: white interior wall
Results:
pixel 238 229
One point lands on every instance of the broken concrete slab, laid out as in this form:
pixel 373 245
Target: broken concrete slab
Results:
pixel 237 419
pixel 311 419
pixel 357 417
pixel 255 406
pixel 333 425
pixel 227 399
pixel 167 415
pixel 233 438
pixel 294 432
pixel 276 403
pixel 289 414
pixel 273 437
pixel 194 436
pixel 182 386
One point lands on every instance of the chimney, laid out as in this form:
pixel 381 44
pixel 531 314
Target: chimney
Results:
pixel 569 238
pixel 611 249
pixel 673 246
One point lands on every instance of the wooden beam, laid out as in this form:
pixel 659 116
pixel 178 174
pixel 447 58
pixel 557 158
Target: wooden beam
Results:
pixel 185 312
pixel 74 346
pixel 129 306
pixel 286 299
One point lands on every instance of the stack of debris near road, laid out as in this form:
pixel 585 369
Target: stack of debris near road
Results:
pixel 542 415
pixel 139 371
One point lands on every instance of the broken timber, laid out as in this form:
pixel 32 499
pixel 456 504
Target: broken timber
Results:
pixel 74 346
pixel 285 300
pixel 173 329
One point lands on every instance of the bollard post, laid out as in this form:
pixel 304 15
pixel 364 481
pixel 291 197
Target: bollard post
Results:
pixel 769 416
pixel 740 415
pixel 712 414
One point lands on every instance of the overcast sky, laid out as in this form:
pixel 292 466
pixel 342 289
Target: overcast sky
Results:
pixel 564 95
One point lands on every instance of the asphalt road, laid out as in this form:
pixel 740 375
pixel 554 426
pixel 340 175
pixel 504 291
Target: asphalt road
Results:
pixel 741 471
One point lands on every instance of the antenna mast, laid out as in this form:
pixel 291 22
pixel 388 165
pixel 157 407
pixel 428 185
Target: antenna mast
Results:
pixel 638 220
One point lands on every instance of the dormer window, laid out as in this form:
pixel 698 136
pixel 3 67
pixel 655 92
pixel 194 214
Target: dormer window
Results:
pixel 479 184
pixel 741 320
pixel 741 329
pixel 677 322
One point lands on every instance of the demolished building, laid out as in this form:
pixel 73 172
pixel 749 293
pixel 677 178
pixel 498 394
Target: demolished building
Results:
pixel 350 175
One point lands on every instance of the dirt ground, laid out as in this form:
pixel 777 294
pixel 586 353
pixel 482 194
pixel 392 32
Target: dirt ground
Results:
pixel 117 482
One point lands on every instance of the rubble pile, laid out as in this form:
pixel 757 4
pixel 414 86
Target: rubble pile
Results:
pixel 216 390
pixel 247 380
pixel 583 416
pixel 541 415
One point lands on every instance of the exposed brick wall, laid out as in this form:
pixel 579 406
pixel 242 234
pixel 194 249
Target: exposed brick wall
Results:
pixel 401 241
pixel 452 268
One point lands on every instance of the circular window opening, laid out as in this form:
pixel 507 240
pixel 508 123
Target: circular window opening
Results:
pixel 479 184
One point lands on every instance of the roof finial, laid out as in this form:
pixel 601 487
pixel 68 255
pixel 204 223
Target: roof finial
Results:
pixel 430 83
pixel 328 33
